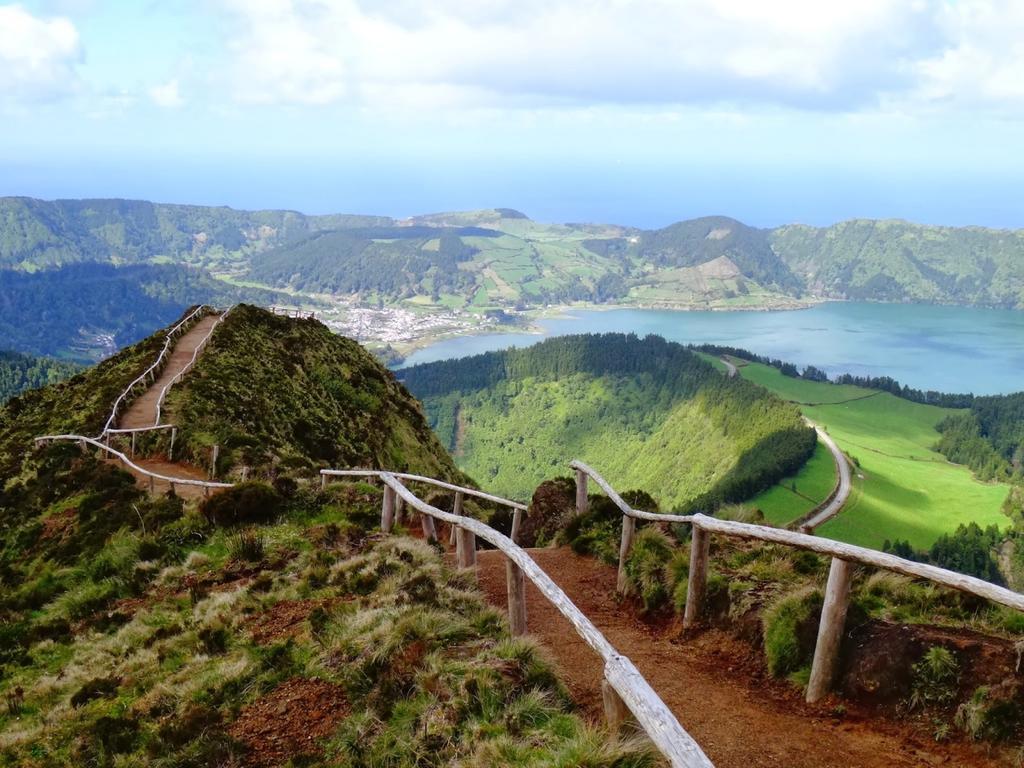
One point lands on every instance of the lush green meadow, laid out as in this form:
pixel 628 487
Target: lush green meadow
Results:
pixel 903 488
pixel 798 494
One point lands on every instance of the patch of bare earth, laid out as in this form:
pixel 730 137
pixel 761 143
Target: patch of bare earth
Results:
pixel 290 722
pixel 715 684
pixel 284 619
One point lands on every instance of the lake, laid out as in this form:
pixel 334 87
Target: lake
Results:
pixel 950 349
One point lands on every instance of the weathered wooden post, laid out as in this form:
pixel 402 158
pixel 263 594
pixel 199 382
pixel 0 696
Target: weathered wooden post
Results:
pixel 427 525
pixel 456 510
pixel 625 545
pixel 213 461
pixel 517 522
pixel 152 484
pixel 170 451
pixel 830 630
pixel 516 581
pixel 581 492
pixel 133 445
pixel 616 713
pixel 465 548
pixel 387 512
pixel 700 547
pixel 323 482
pixel 399 509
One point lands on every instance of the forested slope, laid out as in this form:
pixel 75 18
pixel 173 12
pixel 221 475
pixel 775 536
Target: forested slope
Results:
pixel 20 372
pixel 647 413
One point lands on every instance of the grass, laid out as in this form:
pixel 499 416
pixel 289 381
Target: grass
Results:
pixel 797 495
pixel 903 488
pixel 423 671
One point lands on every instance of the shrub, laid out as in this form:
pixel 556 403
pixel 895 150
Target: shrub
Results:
pixel 251 502
pixel 645 567
pixel 97 688
pixel 789 630
pixel 934 678
pixel 248 545
pixel 994 713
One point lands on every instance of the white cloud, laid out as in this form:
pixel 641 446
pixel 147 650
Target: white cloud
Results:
pixel 795 52
pixel 167 95
pixel 983 61
pixel 38 56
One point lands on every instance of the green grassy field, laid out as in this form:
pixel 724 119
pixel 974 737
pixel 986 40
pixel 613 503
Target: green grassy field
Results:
pixel 795 496
pixel 903 489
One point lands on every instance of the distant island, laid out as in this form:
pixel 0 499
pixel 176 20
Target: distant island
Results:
pixel 408 281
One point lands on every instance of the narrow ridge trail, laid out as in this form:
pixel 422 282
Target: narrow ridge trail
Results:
pixel 142 411
pixel 712 682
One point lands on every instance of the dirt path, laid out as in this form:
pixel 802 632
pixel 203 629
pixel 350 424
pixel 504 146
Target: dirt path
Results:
pixel 142 411
pixel 715 685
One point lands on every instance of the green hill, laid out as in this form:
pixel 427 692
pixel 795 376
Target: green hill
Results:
pixel 901 261
pixel 142 630
pixel 20 372
pixel 88 311
pixel 646 412
pixel 276 393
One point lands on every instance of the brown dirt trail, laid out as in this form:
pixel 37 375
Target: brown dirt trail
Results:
pixel 142 411
pixel 714 684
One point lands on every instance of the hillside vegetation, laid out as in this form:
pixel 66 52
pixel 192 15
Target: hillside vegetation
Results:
pixel 501 257
pixel 903 487
pixel 281 395
pixel 647 412
pixel 88 311
pixel 20 372
pixel 266 625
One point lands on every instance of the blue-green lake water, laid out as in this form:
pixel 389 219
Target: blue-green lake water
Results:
pixel 950 349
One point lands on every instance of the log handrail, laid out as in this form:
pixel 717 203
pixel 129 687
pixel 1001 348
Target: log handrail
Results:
pixel 837 592
pixel 188 366
pixel 651 713
pixel 201 309
pixel 125 460
pixel 849 552
pixel 324 473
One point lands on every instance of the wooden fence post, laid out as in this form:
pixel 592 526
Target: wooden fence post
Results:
pixel 170 451
pixel 399 509
pixel 516 581
pixel 625 545
pixel 581 492
pixel 698 581
pixel 456 510
pixel 387 511
pixel 830 630
pixel 213 461
pixel 133 445
pixel 152 484
pixel 427 525
pixel 323 482
pixel 517 523
pixel 616 713
pixel 465 548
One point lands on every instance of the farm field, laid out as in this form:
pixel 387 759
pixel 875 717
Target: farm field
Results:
pixel 903 488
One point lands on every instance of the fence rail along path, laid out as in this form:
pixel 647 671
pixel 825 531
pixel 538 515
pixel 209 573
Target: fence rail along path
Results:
pixel 837 590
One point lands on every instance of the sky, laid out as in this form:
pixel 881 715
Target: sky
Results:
pixel 638 112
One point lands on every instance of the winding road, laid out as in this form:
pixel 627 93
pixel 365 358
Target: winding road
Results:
pixel 842 493
pixel 831 509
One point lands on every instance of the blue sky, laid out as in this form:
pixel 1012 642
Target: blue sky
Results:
pixel 633 111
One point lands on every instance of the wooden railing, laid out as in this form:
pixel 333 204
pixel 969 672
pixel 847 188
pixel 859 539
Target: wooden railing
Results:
pixel 191 363
pixel 837 590
pixel 518 508
pixel 206 485
pixel 151 372
pixel 624 689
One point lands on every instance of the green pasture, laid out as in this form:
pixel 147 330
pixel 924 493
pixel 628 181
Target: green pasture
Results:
pixel 903 488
